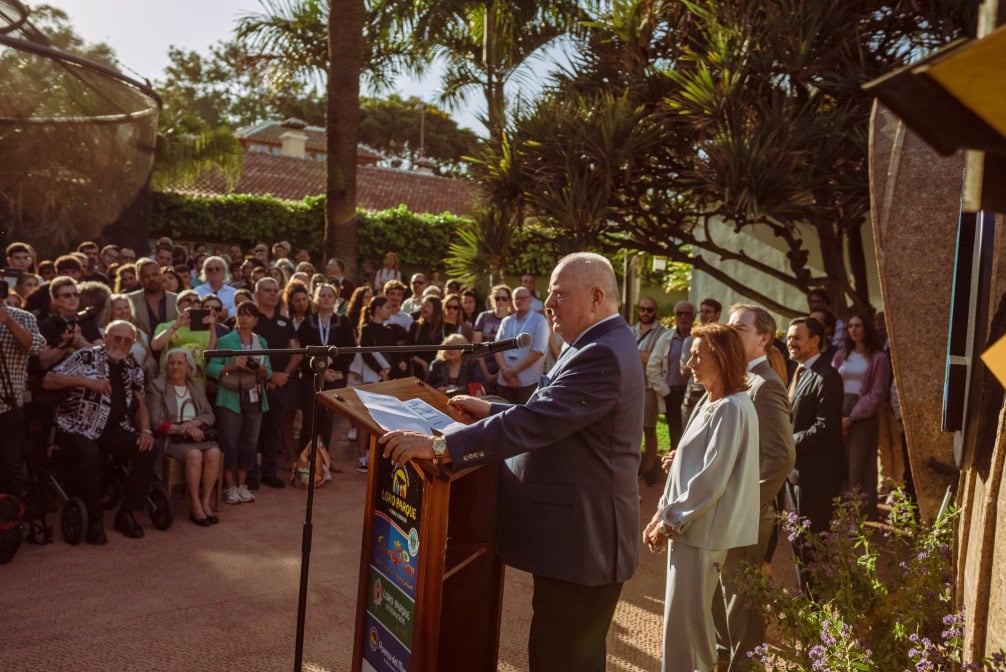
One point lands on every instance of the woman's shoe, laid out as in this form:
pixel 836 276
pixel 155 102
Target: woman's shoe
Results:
pixel 213 519
pixel 201 522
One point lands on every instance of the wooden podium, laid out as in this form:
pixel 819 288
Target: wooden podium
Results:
pixel 431 583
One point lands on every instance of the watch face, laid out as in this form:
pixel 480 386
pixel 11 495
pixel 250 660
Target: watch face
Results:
pixel 439 445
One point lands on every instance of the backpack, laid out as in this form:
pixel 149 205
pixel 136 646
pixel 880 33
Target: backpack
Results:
pixel 11 528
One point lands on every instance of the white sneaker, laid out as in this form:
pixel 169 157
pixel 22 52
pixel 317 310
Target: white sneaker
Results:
pixel 231 496
pixel 244 494
pixel 352 434
pixel 361 465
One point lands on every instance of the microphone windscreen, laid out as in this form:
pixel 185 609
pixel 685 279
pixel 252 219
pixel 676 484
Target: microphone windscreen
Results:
pixel 524 340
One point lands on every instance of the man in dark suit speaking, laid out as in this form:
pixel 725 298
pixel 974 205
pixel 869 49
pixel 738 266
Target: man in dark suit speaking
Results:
pixel 569 496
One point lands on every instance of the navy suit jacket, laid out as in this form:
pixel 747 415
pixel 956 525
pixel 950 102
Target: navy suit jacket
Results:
pixel 817 429
pixel 569 495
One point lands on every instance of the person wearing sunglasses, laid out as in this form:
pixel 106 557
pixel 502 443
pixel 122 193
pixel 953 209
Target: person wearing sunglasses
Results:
pixel 181 333
pixel 453 322
pixel 647 332
pixel 62 330
pixel 214 278
pixel 486 326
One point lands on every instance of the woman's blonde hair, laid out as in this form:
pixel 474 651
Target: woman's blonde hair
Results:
pixel 451 339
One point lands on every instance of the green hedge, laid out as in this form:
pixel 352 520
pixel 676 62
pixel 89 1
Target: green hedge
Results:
pixel 421 240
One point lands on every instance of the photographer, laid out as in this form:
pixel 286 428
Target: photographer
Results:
pixel 19 339
pixel 66 329
pixel 241 401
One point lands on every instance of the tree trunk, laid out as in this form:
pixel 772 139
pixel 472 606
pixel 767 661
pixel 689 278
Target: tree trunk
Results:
pixel 857 264
pixel 833 261
pixel 345 48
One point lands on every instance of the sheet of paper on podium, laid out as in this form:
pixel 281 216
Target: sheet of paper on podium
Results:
pixel 392 413
pixel 995 360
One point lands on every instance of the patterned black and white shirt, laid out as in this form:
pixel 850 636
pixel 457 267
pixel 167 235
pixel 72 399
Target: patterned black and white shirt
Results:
pixel 84 411
pixel 15 358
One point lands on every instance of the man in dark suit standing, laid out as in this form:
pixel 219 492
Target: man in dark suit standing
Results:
pixel 569 497
pixel 816 396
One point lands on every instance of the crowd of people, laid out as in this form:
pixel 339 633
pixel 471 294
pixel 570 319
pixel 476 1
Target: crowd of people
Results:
pixel 111 348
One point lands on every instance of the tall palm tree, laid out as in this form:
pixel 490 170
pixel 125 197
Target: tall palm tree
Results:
pixel 345 45
pixel 485 45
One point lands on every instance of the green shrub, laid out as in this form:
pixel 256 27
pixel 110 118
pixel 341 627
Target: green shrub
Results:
pixel 420 239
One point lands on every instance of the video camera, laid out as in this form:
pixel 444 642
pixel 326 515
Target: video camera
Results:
pixel 10 275
pixel 10 278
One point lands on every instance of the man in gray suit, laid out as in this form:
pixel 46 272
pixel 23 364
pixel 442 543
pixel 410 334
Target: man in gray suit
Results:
pixel 569 497
pixel 739 626
pixel 151 304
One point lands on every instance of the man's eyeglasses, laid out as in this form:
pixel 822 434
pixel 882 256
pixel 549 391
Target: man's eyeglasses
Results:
pixel 646 309
pixel 213 307
pixel 125 340
pixel 684 313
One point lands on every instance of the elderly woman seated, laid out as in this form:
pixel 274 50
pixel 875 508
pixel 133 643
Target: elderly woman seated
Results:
pixel 181 414
pixel 451 372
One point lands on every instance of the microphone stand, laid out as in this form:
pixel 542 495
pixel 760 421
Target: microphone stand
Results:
pixel 319 358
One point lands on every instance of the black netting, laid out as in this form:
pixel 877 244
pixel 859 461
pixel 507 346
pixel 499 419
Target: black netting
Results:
pixel 76 138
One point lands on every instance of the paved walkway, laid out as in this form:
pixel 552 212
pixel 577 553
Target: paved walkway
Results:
pixel 225 597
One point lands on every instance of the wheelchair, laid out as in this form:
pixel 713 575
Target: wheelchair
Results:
pixel 73 517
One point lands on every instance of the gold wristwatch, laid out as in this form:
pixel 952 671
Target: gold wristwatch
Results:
pixel 439 448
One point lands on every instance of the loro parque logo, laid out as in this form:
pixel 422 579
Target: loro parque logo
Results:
pixel 400 482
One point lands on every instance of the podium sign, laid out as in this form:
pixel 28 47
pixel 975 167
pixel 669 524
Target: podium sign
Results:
pixel 428 549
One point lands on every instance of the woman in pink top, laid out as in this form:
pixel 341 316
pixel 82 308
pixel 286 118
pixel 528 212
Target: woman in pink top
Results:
pixel 866 376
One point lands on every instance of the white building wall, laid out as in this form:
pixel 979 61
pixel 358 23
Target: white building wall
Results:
pixel 757 241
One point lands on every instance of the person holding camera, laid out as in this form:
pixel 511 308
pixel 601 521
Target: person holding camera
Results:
pixel 181 415
pixel 241 401
pixel 193 329
pixel 66 329
pixel 19 340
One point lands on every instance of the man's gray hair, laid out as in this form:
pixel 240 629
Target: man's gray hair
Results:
pixel 221 261
pixel 265 279
pixel 122 323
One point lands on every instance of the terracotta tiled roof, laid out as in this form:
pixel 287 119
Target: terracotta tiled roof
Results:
pixel 268 132
pixel 377 188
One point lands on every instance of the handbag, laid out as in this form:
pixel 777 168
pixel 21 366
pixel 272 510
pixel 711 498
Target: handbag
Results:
pixel 300 474
pixel 239 381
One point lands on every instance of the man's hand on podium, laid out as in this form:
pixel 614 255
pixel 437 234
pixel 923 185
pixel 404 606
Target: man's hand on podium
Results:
pixel 473 406
pixel 402 446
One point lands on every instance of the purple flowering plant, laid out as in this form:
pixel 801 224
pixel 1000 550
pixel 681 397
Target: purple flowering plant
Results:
pixel 880 600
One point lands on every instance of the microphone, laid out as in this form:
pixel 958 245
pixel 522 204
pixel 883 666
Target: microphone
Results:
pixel 523 340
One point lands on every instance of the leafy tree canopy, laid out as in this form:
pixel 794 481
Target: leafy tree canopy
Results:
pixel 408 130
pixel 678 114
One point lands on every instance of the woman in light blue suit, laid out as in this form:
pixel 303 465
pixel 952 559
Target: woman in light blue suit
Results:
pixel 710 502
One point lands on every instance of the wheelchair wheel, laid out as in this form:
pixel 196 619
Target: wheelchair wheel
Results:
pixel 73 521
pixel 160 508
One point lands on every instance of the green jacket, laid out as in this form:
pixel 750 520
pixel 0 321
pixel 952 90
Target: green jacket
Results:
pixel 230 399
